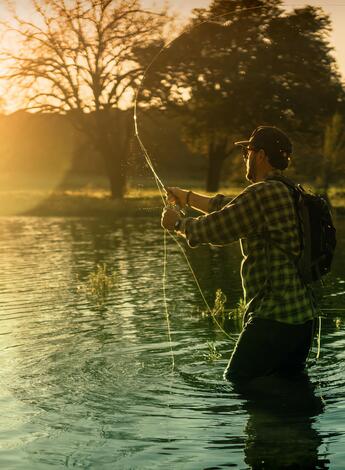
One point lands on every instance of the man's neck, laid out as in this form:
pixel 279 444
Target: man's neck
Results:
pixel 268 173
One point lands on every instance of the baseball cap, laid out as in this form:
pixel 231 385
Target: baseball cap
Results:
pixel 269 138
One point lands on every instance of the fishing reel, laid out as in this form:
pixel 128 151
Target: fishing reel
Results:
pixel 181 214
pixel 174 205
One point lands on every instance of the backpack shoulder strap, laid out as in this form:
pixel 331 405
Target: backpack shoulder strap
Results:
pixel 283 179
pixel 295 191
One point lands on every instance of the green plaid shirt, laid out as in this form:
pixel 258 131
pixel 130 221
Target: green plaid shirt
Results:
pixel 263 218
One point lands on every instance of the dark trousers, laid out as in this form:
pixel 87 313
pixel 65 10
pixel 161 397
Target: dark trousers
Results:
pixel 267 347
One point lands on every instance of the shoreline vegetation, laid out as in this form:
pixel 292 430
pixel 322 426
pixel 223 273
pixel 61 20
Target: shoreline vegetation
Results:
pixel 96 202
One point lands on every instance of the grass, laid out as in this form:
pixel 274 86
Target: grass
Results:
pixel 98 284
pixel 82 197
pixel 75 203
pixel 220 311
pixel 213 354
pixel 238 311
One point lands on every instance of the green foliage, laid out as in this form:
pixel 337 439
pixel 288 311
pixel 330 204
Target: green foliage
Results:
pixel 253 66
pixel 333 150
pixel 98 284
pixel 212 354
pixel 218 310
pixel 239 310
pixel 219 304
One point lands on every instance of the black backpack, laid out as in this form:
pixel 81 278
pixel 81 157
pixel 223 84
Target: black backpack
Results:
pixel 317 232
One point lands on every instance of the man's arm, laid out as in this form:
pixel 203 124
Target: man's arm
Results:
pixel 236 220
pixel 200 202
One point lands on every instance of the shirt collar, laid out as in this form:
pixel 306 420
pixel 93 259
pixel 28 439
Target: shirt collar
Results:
pixel 274 172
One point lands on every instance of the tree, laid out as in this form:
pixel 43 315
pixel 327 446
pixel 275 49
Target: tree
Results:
pixel 77 59
pixel 333 151
pixel 244 63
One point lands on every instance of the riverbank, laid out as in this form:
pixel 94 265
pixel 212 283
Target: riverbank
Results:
pixel 97 202
pixel 82 203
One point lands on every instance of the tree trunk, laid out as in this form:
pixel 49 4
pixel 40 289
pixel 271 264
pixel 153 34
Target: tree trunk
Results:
pixel 213 174
pixel 114 144
pixel 326 174
pixel 116 172
pixel 216 155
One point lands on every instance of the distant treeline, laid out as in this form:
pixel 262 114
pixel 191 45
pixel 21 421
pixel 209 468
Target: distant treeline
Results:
pixel 36 146
pixel 39 145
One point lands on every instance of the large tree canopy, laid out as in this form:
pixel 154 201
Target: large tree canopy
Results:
pixel 244 63
pixel 77 58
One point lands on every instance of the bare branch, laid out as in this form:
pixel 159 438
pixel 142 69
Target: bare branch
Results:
pixel 79 53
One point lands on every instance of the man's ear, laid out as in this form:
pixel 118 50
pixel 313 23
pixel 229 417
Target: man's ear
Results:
pixel 261 155
pixel 264 157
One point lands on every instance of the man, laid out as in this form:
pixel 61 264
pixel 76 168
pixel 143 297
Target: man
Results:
pixel 278 323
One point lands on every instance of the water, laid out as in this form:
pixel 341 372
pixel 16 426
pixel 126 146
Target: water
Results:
pixel 90 385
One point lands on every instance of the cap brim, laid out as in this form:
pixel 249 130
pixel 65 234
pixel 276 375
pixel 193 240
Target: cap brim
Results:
pixel 242 143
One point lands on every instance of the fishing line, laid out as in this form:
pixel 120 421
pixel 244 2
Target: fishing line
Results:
pixel 165 262
pixel 319 341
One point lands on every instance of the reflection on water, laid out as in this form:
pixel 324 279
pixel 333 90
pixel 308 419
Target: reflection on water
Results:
pixel 280 428
pixel 90 385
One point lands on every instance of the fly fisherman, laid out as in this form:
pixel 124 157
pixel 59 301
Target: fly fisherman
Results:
pixel 278 322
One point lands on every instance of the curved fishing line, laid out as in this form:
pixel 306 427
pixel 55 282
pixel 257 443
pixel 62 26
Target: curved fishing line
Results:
pixel 318 340
pixel 160 185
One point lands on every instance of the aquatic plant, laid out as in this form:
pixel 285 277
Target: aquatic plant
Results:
pixel 99 283
pixel 238 312
pixel 212 354
pixel 219 310
pixel 219 303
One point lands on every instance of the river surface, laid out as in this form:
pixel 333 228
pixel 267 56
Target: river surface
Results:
pixel 90 382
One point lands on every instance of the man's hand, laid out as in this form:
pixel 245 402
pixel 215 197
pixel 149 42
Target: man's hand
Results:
pixel 169 218
pixel 177 196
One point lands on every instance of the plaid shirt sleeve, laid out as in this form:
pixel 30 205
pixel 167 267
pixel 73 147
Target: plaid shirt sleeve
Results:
pixel 236 219
pixel 218 202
